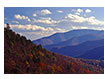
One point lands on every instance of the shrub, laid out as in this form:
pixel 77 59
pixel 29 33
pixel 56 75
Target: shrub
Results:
pixel 14 71
pixel 23 39
pixel 29 41
pixel 17 36
pixel 13 63
pixel 36 59
pixel 11 44
pixel 47 55
pixel 8 26
pixel 9 50
pixel 24 51
pixel 53 68
pixel 59 69
pixel 17 54
pixel 41 53
pixel 27 63
pixel 54 54
pixel 54 59
pixel 30 55
pixel 69 66
pixel 33 51
pixel 42 65
pixel 39 47
pixel 73 70
pixel 27 70
pixel 8 35
pixel 28 59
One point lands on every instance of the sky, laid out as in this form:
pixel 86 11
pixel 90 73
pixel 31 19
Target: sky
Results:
pixel 38 22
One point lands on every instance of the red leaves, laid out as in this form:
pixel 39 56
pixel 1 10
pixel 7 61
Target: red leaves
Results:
pixel 59 69
pixel 42 65
pixel 10 64
pixel 30 55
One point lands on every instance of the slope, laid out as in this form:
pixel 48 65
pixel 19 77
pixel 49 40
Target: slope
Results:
pixel 21 56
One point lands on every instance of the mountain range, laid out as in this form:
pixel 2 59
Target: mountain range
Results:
pixel 75 43
pixel 69 36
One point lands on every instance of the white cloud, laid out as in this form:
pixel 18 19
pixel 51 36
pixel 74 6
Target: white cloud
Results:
pixel 77 27
pixel 59 11
pixel 36 35
pixel 78 11
pixel 22 17
pixel 34 14
pixel 42 12
pixel 90 20
pixel 31 27
pixel 60 30
pixel 45 12
pixel 87 10
pixel 44 20
pixel 15 22
pixel 34 32
pixel 75 18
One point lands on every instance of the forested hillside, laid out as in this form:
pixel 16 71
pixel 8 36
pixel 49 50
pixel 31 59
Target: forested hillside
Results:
pixel 21 56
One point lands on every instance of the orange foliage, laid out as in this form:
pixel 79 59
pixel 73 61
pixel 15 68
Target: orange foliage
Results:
pixel 42 65
pixel 59 69
pixel 87 71
pixel 72 70
pixel 54 65
pixel 71 63
pixel 13 63
pixel 53 68
pixel 30 55
pixel 27 63
pixel 41 53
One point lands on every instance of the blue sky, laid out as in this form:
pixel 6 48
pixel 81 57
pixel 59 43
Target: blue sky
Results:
pixel 38 22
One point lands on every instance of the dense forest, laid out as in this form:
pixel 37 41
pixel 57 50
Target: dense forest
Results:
pixel 22 56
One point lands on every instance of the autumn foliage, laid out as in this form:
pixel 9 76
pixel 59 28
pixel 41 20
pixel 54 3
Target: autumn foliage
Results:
pixel 21 56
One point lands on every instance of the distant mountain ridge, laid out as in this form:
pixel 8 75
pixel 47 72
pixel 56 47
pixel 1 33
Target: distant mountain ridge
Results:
pixel 80 49
pixel 61 37
pixel 73 43
pixel 95 53
pixel 76 40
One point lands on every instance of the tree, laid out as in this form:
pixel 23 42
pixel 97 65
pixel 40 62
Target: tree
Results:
pixel 41 53
pixel 54 54
pixel 23 39
pixel 59 69
pixel 54 59
pixel 39 47
pixel 24 51
pixel 8 26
